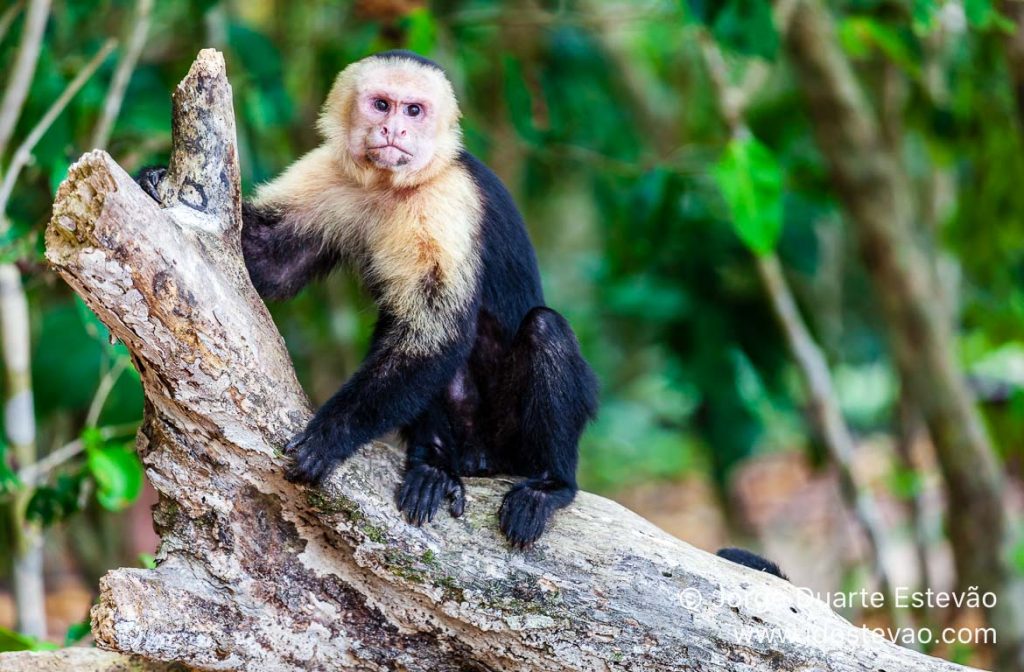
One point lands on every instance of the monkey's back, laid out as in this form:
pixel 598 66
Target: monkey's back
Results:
pixel 510 280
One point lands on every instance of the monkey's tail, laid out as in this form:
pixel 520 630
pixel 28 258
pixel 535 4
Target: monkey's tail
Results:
pixel 742 556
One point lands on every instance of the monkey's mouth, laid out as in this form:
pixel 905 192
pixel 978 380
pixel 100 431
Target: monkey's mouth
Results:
pixel 388 156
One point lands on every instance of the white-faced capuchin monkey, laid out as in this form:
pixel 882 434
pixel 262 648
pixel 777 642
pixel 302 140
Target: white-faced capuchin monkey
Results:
pixel 479 376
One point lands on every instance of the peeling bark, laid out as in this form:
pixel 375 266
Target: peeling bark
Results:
pixel 255 573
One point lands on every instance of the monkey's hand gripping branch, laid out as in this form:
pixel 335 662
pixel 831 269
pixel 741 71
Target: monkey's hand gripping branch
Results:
pixel 257 574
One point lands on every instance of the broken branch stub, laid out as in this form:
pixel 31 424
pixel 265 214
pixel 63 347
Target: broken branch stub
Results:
pixel 255 573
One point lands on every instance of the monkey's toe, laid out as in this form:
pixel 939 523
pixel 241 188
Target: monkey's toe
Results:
pixel 294 443
pixel 457 496
pixel 423 489
pixel 527 508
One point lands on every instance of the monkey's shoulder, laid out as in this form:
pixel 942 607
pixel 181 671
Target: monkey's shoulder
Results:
pixel 499 208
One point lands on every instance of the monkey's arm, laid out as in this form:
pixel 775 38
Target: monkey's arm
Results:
pixel 392 386
pixel 280 261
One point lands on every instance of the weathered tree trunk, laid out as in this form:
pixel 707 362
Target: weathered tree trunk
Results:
pixel 878 199
pixel 258 574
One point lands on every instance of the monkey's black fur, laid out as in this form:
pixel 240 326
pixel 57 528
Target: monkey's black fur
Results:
pixel 510 394
pixel 411 56
pixel 742 556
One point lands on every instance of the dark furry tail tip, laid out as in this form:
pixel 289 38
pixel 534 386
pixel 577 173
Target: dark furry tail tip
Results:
pixel 742 556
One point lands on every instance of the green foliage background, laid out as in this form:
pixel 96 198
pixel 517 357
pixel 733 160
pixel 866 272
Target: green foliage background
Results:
pixel 601 118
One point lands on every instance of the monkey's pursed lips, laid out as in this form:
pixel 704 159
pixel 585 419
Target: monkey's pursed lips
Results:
pixel 389 156
pixel 391 146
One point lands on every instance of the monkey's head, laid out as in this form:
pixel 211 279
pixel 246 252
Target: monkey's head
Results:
pixel 392 115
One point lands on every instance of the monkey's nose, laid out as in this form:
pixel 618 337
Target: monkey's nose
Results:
pixel 403 133
pixel 384 131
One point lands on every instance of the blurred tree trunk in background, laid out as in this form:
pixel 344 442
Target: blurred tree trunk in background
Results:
pixel 19 414
pixel 879 204
pixel 1015 55
pixel 19 420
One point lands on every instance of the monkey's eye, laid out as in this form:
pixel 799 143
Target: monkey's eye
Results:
pixel 413 110
pixel 381 104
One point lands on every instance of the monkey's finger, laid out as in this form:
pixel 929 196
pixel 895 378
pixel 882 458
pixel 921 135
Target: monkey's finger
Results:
pixel 298 473
pixel 294 443
pixel 422 505
pixel 457 493
pixel 407 494
pixel 402 495
pixel 413 488
pixel 307 466
pixel 149 179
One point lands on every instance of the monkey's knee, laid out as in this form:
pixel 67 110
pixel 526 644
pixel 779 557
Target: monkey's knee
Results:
pixel 543 326
pixel 548 356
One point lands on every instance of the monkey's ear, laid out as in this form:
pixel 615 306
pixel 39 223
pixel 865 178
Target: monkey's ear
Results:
pixel 742 556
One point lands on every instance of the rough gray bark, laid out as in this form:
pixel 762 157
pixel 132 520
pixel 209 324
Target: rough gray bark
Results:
pixel 258 574
pixel 80 660
pixel 878 199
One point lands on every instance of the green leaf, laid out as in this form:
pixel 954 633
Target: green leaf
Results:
pixel 1017 557
pixel 58 171
pixel 97 330
pixel 52 504
pixel 924 16
pixel 518 98
pixel 861 35
pixel 982 15
pixel 8 479
pixel 147 560
pixel 905 483
pixel 742 26
pixel 77 632
pixel 750 179
pixel 747 27
pixel 15 641
pixel 117 471
pixel 421 31
pixel 16 242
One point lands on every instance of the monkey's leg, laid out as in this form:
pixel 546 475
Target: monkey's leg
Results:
pixel 431 467
pixel 555 393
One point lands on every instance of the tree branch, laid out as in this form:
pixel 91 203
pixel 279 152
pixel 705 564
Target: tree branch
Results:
pixel 256 573
pixel 24 68
pixel 123 74
pixel 7 18
pixel 824 403
pixel 79 660
pixel 24 152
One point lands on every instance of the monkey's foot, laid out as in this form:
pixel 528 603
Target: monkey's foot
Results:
pixel 423 489
pixel 528 507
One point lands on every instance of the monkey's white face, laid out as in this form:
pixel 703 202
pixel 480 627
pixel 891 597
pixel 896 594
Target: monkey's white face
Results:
pixel 392 130
pixel 397 117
